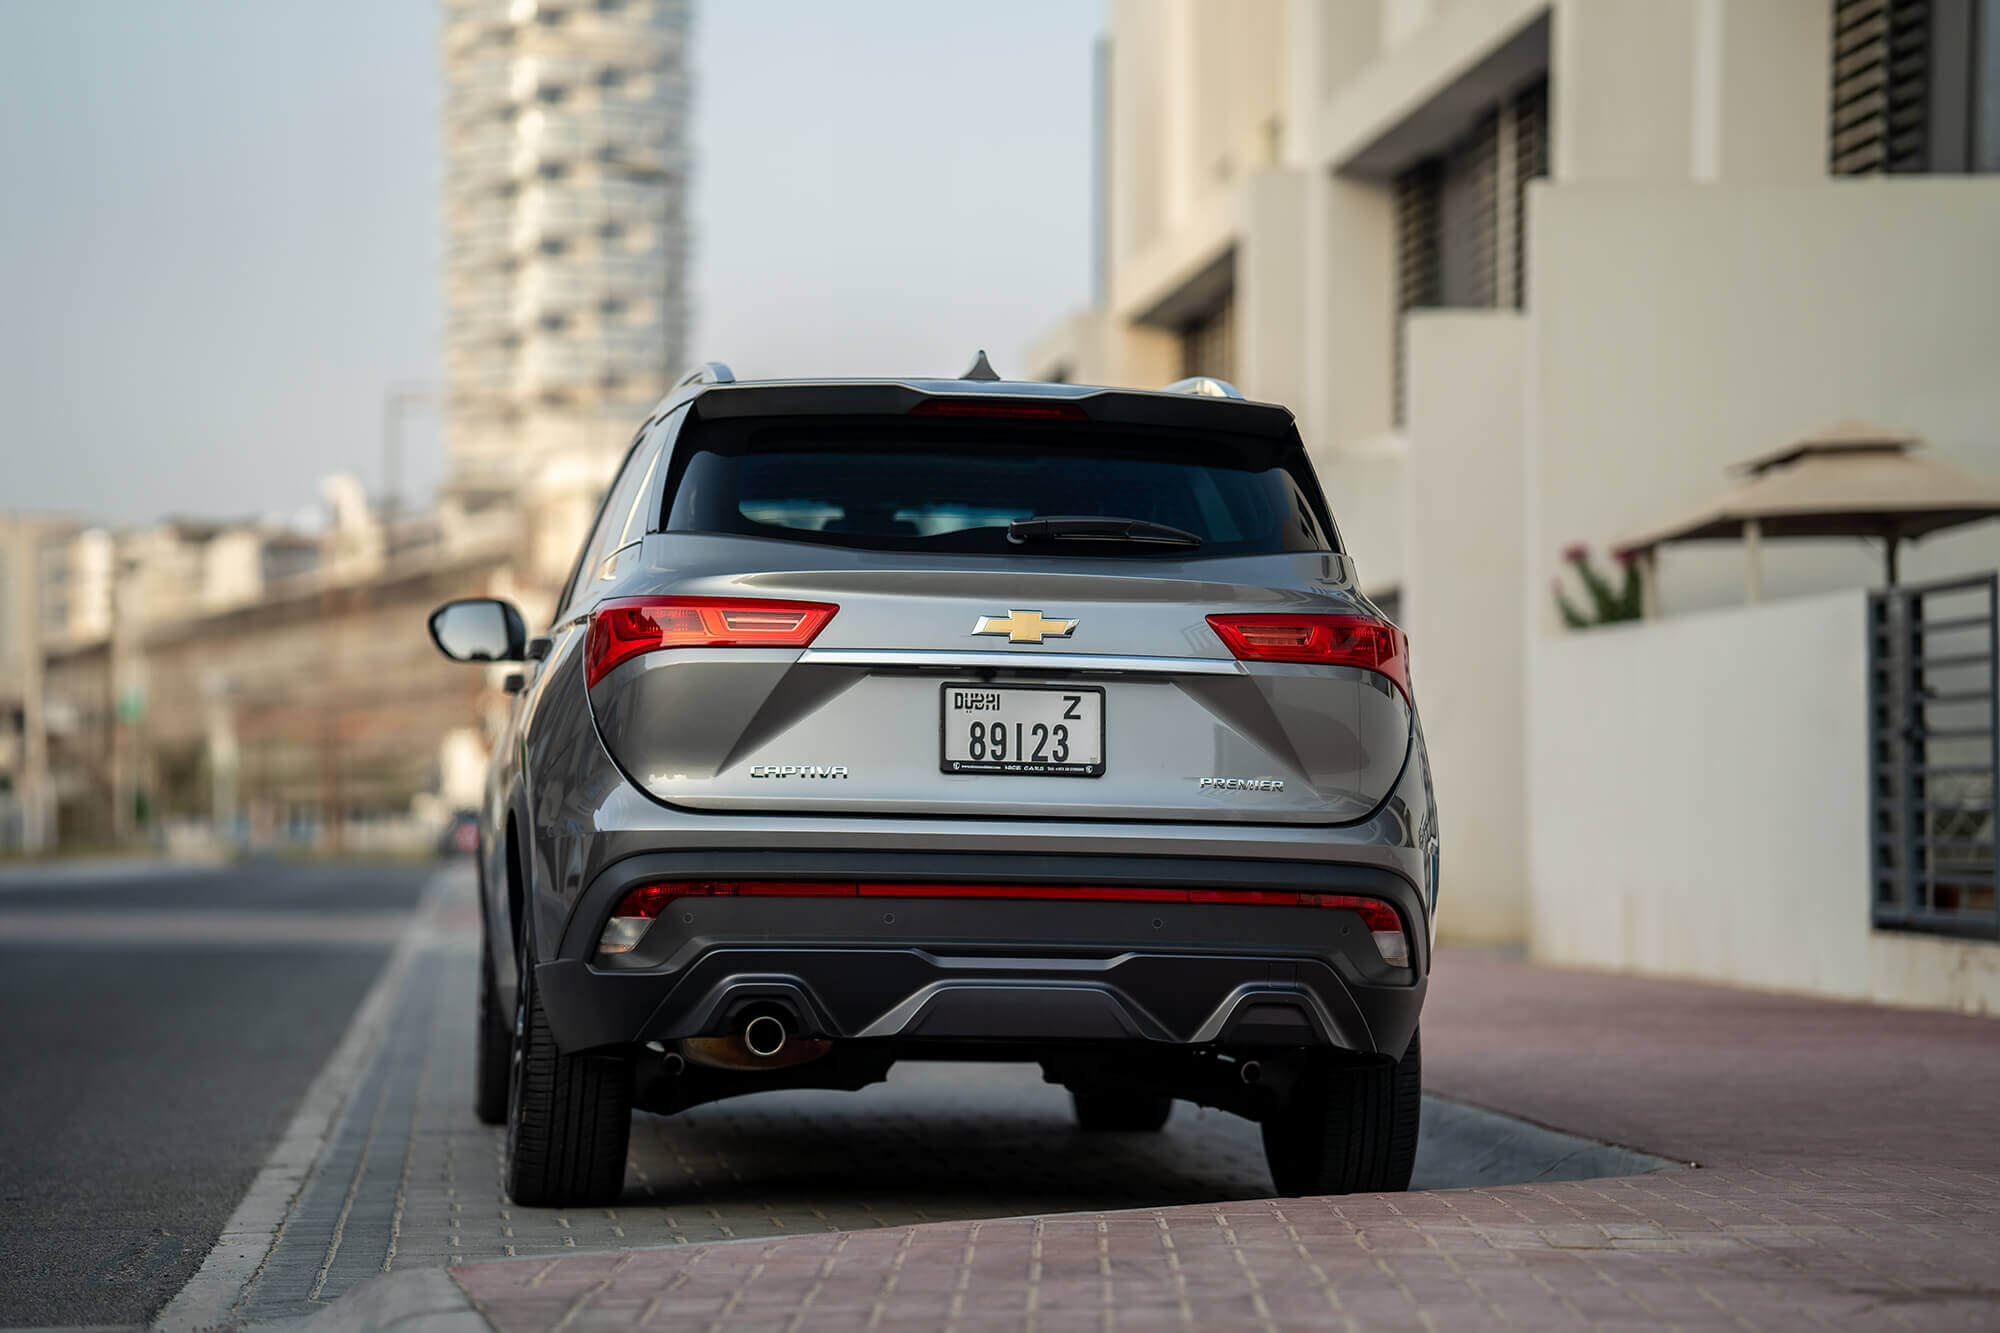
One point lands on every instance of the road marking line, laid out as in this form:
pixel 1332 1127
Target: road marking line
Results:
pixel 212 1295
pixel 218 928
pixel 85 873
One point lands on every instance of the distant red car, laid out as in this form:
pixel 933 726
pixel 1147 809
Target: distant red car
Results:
pixel 461 835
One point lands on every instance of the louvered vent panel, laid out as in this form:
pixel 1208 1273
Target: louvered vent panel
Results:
pixel 1417 244
pixel 1881 86
pixel 1531 160
pixel 1469 219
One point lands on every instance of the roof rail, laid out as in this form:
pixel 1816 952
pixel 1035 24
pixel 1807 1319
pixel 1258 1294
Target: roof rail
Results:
pixel 708 372
pixel 1207 386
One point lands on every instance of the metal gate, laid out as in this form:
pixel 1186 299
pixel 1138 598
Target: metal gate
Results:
pixel 1934 746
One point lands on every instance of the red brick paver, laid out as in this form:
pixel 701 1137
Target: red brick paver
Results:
pixel 1850 1176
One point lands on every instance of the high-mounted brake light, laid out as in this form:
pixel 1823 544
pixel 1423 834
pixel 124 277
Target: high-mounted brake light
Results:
pixel 638 908
pixel 628 626
pixel 1328 640
pixel 998 407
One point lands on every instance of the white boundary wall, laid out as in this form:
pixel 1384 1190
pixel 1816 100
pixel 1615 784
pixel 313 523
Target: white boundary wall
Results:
pixel 1462 608
pixel 1698 803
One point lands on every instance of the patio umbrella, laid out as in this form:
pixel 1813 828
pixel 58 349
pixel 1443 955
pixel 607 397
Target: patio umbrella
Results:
pixel 1851 479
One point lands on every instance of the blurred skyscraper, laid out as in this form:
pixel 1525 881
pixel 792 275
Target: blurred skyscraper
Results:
pixel 566 240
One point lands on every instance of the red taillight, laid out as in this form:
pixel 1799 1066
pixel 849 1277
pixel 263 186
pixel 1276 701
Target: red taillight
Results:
pixel 637 909
pixel 1329 640
pixel 628 626
pixel 998 407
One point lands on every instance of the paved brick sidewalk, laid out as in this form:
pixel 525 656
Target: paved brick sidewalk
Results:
pixel 1851 1177
pixel 406 1180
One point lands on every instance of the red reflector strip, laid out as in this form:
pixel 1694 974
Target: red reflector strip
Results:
pixel 1377 914
pixel 1248 897
pixel 998 407
pixel 625 627
pixel 650 900
pixel 1029 891
pixel 1327 640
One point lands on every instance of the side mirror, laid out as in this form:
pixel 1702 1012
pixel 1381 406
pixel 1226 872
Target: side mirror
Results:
pixel 480 629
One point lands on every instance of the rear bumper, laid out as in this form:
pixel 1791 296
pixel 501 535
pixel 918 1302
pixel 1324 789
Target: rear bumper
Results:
pixel 951 970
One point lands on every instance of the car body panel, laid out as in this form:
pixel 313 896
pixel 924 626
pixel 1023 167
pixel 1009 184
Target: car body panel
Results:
pixel 703 730
pixel 655 759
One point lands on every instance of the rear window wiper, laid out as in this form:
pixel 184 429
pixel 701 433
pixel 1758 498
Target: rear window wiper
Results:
pixel 1098 528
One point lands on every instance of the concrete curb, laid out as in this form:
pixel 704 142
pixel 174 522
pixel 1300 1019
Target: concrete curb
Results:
pixel 422 1300
pixel 1477 1147
pixel 210 1297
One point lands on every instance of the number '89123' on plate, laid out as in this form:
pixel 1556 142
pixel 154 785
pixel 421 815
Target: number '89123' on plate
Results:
pixel 1023 730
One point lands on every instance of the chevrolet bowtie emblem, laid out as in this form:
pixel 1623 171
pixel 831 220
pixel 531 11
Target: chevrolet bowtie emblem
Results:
pixel 1025 627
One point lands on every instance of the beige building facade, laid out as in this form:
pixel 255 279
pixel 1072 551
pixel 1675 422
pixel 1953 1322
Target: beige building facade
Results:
pixel 238 681
pixel 1535 273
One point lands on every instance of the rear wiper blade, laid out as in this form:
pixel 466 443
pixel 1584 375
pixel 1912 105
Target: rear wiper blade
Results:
pixel 1098 528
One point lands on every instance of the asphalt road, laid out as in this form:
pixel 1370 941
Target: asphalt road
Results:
pixel 157 1029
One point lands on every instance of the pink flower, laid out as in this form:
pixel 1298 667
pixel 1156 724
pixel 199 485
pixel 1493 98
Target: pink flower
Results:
pixel 1576 552
pixel 1627 556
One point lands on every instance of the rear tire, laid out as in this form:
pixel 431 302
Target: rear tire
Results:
pixel 569 1117
pixel 1121 1111
pixel 1348 1131
pixel 495 1044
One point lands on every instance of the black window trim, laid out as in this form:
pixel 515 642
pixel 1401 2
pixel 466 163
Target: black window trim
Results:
pixel 1303 476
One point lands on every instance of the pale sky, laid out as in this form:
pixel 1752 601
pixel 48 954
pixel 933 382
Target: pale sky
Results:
pixel 219 234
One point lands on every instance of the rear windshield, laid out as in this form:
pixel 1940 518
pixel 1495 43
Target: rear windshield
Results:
pixel 904 488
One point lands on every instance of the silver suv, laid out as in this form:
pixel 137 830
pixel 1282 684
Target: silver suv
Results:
pixel 956 720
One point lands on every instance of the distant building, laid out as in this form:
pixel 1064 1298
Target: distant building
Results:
pixel 186 566
pixel 566 239
pixel 35 610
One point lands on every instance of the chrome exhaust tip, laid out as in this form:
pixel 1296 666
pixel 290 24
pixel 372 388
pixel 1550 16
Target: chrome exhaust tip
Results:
pixel 764 1035
pixel 1250 1071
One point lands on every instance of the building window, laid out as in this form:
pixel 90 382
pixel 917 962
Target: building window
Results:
pixel 1915 87
pixel 1468 218
pixel 1208 342
pixel 1452 236
pixel 1417 240
pixel 1881 69
pixel 1530 112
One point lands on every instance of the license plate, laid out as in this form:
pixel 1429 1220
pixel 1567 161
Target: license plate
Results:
pixel 1028 731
